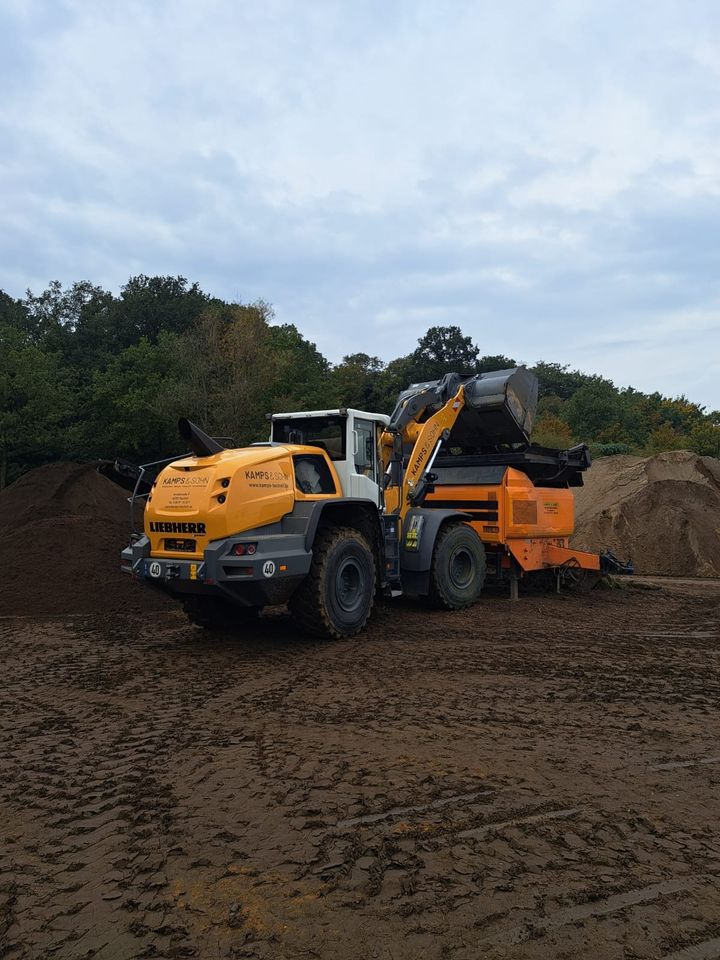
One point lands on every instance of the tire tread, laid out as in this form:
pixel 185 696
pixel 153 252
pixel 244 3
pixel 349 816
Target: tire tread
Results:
pixel 438 594
pixel 308 601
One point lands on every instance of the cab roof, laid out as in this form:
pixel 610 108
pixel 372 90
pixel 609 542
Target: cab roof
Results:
pixel 341 412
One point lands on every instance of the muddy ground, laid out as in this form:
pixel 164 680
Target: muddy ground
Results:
pixel 535 780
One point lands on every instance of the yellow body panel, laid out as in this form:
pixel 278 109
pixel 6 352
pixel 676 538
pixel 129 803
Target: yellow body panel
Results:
pixel 257 484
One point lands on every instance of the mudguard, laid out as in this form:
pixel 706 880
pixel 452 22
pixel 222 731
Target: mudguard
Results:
pixel 420 530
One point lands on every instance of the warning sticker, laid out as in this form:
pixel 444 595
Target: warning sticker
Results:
pixel 413 533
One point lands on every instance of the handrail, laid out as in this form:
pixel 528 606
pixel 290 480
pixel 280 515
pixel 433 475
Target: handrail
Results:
pixel 142 468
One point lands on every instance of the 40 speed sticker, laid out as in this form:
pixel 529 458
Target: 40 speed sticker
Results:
pixel 268 568
pixel 155 570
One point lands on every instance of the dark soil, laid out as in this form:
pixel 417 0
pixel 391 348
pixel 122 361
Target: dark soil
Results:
pixel 62 528
pixel 530 780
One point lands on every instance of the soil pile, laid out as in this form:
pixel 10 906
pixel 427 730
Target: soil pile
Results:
pixel 662 511
pixel 62 528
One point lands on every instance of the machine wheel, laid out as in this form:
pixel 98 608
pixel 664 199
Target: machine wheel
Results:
pixel 216 613
pixel 457 573
pixel 337 596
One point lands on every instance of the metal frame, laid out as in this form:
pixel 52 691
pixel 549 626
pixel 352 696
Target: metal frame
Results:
pixel 143 467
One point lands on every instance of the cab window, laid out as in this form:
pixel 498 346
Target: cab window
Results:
pixel 365 448
pixel 312 474
pixel 328 433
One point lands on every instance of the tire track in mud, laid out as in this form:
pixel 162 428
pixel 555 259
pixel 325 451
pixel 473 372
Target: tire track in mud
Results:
pixel 593 911
pixel 708 950
pixel 509 776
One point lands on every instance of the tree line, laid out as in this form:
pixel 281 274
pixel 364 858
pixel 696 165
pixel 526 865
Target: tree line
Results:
pixel 87 374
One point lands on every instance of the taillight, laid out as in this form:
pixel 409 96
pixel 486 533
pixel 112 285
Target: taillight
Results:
pixel 244 549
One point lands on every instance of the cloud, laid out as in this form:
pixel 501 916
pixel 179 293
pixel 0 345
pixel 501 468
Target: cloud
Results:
pixel 547 176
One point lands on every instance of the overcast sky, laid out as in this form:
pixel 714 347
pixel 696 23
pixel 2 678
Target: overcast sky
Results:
pixel 544 174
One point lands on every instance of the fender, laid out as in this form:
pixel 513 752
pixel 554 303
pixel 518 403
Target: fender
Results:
pixel 416 551
pixel 308 513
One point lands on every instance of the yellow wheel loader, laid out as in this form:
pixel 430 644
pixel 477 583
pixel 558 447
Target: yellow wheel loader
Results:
pixel 340 505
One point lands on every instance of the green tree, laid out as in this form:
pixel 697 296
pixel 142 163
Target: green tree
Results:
pixel 84 373
pixel 136 401
pixel 230 370
pixel 36 405
pixel 444 350
pixel 494 362
pixel 705 436
pixel 13 313
pixel 552 432
pixel 549 404
pixel 558 379
pixel 666 437
pixel 147 306
pixel 54 315
pixel 357 382
pixel 300 373
pixel 593 408
pixel 441 350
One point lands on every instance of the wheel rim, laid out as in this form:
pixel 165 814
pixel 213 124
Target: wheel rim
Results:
pixel 350 585
pixel 462 568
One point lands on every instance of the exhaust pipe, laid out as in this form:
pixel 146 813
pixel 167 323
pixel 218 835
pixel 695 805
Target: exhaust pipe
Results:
pixel 197 440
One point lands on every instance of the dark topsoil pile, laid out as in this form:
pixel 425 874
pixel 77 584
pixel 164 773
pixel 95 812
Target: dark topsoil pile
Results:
pixel 62 528
pixel 662 511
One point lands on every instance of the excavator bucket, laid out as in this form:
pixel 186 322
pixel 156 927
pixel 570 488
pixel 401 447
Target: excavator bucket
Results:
pixel 500 407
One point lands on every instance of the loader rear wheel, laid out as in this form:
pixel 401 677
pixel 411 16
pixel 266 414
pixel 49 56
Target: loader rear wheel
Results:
pixel 216 613
pixel 336 598
pixel 457 573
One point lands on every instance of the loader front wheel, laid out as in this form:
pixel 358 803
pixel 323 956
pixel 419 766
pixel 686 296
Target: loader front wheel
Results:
pixel 336 598
pixel 457 574
pixel 216 613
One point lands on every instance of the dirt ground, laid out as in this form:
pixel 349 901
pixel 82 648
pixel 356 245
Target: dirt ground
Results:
pixel 530 780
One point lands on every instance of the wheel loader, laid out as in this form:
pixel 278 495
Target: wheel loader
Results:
pixel 341 505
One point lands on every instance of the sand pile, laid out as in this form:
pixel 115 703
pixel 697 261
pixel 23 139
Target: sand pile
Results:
pixel 662 511
pixel 62 527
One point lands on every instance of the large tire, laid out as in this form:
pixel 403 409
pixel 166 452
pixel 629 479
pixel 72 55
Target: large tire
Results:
pixel 216 613
pixel 336 598
pixel 457 574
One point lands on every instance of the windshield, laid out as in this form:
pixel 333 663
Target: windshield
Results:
pixel 328 433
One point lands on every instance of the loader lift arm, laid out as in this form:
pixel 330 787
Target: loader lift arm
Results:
pixel 495 408
pixel 407 487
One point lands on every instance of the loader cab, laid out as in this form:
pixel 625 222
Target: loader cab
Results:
pixel 351 439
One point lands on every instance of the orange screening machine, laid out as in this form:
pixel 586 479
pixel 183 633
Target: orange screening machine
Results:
pixel 517 496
